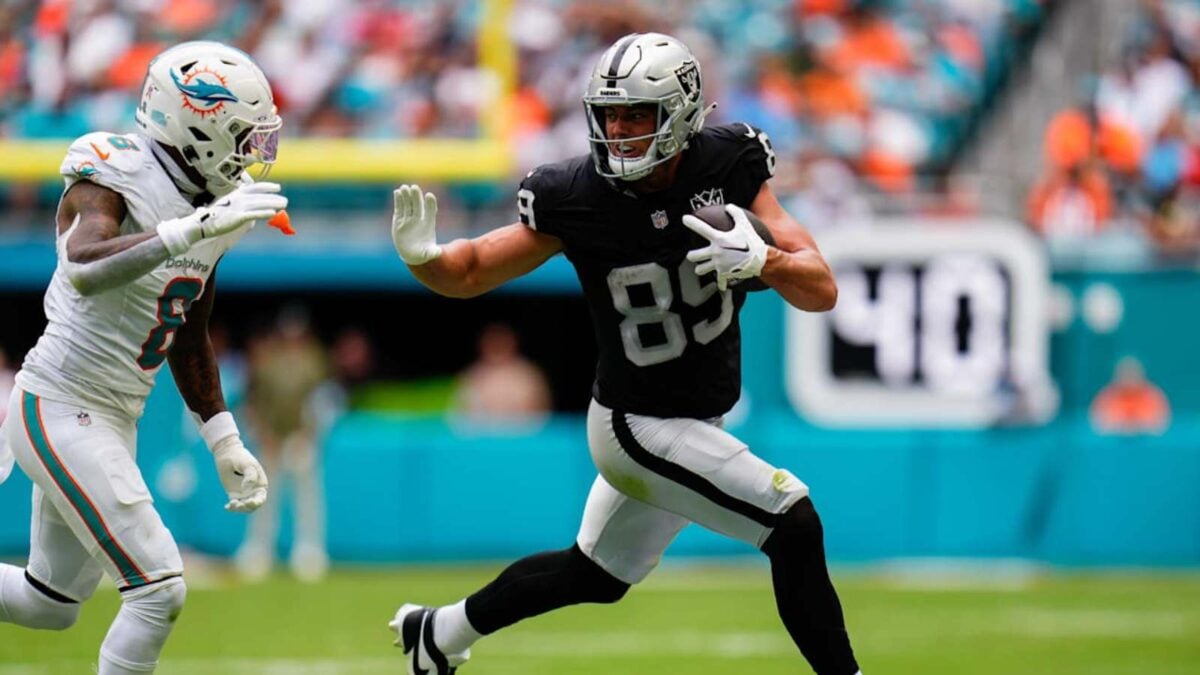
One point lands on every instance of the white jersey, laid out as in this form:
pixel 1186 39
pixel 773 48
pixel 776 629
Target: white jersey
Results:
pixel 105 349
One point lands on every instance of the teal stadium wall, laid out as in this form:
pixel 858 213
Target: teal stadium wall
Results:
pixel 431 490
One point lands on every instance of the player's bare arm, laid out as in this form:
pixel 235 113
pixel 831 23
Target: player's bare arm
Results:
pixel 193 362
pixel 194 366
pixel 100 212
pixel 464 268
pixel 97 257
pixel 794 266
pixel 470 267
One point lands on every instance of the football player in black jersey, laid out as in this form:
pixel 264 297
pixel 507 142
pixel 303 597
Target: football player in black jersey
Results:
pixel 663 291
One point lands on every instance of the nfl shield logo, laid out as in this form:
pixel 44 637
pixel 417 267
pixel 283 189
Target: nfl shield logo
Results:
pixel 659 218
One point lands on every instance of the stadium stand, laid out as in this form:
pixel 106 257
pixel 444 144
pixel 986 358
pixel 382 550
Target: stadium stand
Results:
pixel 888 89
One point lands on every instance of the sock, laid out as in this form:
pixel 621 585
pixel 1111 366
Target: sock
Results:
pixel 27 605
pixel 538 584
pixel 452 630
pixel 140 630
pixel 804 594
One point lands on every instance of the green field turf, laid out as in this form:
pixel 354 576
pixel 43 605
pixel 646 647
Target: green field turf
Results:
pixel 682 620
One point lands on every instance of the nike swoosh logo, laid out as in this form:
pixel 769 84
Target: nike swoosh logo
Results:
pixel 744 249
pixel 416 652
pixel 99 153
pixel 417 670
pixel 440 664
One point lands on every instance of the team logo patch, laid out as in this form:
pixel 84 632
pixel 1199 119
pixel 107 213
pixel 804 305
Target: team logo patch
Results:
pixel 659 218
pixel 689 79
pixel 84 169
pixel 84 419
pixel 204 91
pixel 708 197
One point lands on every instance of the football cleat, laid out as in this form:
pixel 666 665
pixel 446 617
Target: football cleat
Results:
pixel 414 633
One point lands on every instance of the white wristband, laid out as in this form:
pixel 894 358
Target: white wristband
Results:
pixel 178 235
pixel 217 428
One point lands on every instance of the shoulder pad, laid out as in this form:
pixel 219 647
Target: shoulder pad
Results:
pixel 750 145
pixel 546 189
pixel 108 159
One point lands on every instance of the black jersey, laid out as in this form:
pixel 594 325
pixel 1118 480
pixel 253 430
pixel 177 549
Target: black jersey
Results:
pixel 669 341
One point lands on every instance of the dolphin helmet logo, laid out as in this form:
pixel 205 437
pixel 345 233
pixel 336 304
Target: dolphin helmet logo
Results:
pixel 203 96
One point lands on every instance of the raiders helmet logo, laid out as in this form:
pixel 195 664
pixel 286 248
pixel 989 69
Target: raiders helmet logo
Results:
pixel 689 79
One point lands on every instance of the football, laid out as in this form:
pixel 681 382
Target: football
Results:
pixel 716 216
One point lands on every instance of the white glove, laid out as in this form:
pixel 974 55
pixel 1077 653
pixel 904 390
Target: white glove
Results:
pixel 413 224
pixel 241 475
pixel 737 254
pixel 247 203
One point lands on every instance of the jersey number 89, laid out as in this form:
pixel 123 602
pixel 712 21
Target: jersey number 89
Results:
pixel 658 279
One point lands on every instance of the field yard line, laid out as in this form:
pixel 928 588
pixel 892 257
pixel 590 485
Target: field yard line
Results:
pixel 1110 623
pixel 720 645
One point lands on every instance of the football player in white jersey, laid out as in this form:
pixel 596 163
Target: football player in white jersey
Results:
pixel 143 221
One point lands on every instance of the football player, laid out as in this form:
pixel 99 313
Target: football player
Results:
pixel 662 287
pixel 143 221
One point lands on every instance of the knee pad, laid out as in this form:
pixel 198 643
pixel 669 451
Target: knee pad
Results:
pixel 54 615
pixel 798 529
pixel 595 583
pixel 159 603
pixel 35 605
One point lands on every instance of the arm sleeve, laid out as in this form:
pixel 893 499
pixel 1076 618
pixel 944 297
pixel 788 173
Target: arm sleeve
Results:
pixel 113 271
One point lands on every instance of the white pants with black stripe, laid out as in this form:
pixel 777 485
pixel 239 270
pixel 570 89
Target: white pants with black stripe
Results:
pixel 92 512
pixel 657 475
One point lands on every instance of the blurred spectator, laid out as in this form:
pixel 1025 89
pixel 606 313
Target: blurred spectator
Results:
pixel 1075 137
pixel 1174 225
pixel 887 87
pixel 1130 404
pixel 829 197
pixel 352 362
pixel 286 368
pixel 502 385
pixel 1072 203
pixel 353 359
pixel 1130 158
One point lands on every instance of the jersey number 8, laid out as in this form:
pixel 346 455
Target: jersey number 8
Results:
pixel 658 279
pixel 174 302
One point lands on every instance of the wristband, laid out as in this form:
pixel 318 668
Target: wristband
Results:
pixel 178 235
pixel 217 428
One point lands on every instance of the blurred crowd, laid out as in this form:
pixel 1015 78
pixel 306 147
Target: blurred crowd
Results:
pixel 1124 165
pixel 884 89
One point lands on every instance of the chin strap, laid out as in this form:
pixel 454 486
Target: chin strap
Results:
pixel 185 176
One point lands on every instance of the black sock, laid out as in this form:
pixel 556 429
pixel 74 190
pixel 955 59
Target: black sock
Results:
pixel 540 583
pixel 807 601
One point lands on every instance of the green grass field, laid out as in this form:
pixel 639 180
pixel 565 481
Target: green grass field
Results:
pixel 683 620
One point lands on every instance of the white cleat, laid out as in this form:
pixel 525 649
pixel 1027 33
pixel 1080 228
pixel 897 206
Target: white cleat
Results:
pixel 414 633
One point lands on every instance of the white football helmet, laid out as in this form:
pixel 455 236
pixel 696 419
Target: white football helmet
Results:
pixel 211 102
pixel 645 68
